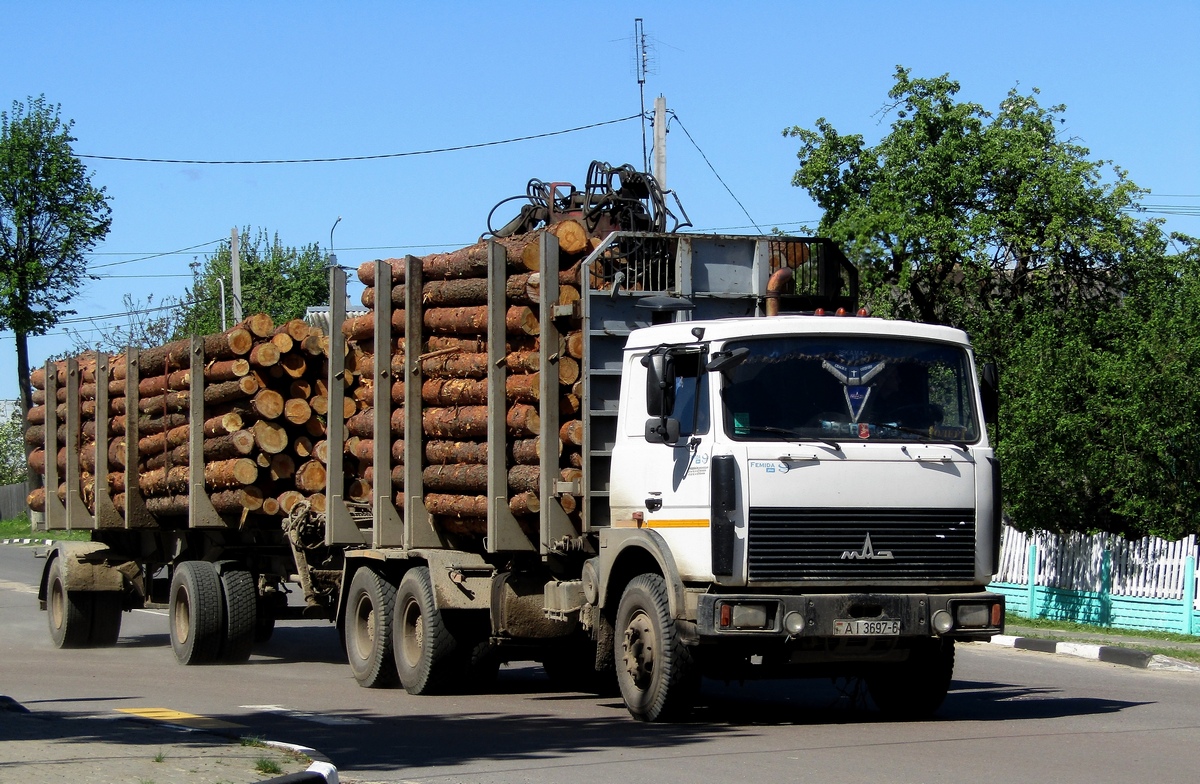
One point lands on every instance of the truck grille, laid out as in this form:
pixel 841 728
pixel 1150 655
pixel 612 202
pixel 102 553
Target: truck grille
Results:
pixel 799 544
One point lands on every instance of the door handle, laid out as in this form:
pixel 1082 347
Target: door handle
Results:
pixel 654 503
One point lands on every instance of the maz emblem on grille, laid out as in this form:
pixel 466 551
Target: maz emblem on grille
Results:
pixel 867 553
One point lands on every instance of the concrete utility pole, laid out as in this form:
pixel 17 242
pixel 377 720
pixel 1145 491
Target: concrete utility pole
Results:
pixel 236 265
pixel 660 142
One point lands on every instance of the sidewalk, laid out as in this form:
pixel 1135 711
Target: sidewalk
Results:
pixel 47 747
pixel 1113 648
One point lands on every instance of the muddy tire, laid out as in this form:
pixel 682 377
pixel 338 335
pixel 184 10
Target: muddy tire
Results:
pixel 196 613
pixel 915 689
pixel 106 619
pixel 655 671
pixel 370 605
pixel 426 656
pixel 240 601
pixel 70 612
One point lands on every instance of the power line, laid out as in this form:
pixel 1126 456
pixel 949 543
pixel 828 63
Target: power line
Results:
pixel 382 156
pixel 154 256
pixel 675 117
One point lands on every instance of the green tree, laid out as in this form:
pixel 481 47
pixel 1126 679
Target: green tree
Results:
pixel 994 223
pixel 280 281
pixel 50 216
pixel 964 217
pixel 12 447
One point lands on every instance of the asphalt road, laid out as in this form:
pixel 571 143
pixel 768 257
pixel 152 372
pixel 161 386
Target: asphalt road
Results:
pixel 1011 716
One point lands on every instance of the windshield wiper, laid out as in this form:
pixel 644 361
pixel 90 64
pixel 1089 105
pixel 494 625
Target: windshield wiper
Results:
pixel 793 434
pixel 922 435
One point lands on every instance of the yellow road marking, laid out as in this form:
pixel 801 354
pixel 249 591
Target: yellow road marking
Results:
pixel 181 718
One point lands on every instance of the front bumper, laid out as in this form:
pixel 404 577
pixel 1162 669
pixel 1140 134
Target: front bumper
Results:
pixel 972 616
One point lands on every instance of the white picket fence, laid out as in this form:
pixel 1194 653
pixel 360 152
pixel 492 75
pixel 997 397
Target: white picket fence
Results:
pixel 1151 567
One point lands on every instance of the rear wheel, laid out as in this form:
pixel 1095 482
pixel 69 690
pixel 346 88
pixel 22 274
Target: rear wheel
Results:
pixel 69 611
pixel 240 600
pixel 106 618
pixel 369 629
pixel 915 689
pixel 654 668
pixel 195 612
pixel 425 648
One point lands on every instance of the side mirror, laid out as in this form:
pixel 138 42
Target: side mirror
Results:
pixel 660 384
pixel 662 431
pixel 989 392
pixel 725 360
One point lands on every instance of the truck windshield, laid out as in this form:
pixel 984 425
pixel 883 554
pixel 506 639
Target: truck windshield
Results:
pixel 838 388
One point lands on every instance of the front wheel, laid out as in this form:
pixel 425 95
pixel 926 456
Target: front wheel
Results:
pixel 915 689
pixel 654 668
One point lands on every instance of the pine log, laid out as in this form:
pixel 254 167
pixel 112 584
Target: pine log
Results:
pixel 572 237
pixel 310 477
pixel 444 452
pixel 456 479
pixel 264 355
pixel 528 451
pixel 226 369
pixel 282 467
pixel 268 404
pixel 457 505
pixel 297 411
pixel 522 478
pixel 260 325
pixel 283 341
pixel 288 500
pixel 522 420
pixel 525 503
pixel 271 437
pixel 571 432
pixel 294 364
pixel 229 391
pixel 297 329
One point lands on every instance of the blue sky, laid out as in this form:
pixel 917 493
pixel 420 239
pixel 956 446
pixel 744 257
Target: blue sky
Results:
pixel 273 80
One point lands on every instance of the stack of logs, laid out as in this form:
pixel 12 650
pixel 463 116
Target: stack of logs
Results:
pixel 453 364
pixel 265 403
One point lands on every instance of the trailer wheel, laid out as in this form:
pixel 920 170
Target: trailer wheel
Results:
pixel 106 618
pixel 369 629
pixel 240 600
pixel 654 668
pixel 195 612
pixel 915 689
pixel 425 648
pixel 70 612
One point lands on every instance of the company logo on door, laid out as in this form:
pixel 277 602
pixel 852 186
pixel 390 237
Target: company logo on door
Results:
pixel 770 466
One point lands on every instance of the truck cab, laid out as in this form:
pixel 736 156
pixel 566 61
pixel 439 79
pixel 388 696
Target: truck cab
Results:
pixel 823 492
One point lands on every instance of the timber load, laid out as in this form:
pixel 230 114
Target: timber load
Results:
pixel 450 384
pixel 255 394
pixel 233 429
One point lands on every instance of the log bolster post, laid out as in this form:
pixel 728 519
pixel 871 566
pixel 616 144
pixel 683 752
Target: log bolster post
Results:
pixel 340 527
pixel 554 523
pixel 56 513
pixel 503 530
pixel 78 515
pixel 201 513
pixel 107 515
pixel 418 526
pixel 136 514
pixel 388 527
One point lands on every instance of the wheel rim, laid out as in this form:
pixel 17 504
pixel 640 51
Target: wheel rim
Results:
pixel 364 628
pixel 57 604
pixel 183 616
pixel 413 638
pixel 640 643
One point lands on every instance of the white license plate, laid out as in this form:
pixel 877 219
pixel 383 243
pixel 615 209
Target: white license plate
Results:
pixel 866 628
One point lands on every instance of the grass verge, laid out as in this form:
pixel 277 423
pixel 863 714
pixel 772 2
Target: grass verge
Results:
pixel 18 528
pixel 1045 628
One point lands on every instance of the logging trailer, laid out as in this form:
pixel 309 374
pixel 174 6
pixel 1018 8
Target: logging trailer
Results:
pixel 643 457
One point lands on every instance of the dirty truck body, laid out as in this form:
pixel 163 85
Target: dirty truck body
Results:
pixel 751 496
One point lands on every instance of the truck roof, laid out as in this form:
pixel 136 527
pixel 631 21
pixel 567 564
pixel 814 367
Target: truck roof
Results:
pixel 792 324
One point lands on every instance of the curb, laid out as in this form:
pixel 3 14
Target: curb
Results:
pixel 1111 654
pixel 45 542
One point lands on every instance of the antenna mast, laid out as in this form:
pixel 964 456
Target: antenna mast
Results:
pixel 641 57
